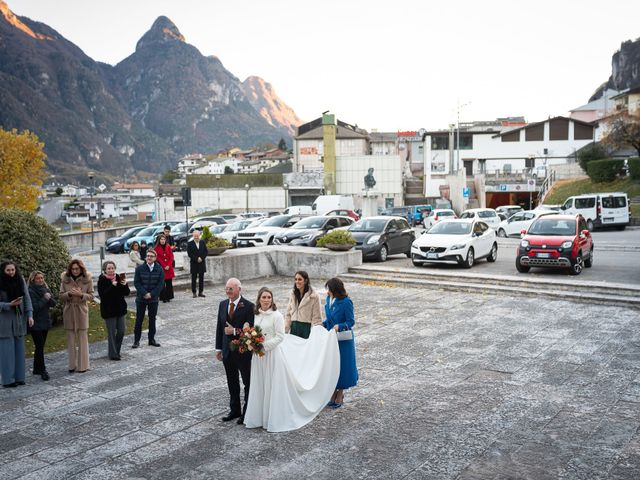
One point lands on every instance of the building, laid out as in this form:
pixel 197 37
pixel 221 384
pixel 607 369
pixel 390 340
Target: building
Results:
pixel 188 163
pixel 217 166
pixel 628 100
pixel 597 109
pixel 73 191
pixel 134 189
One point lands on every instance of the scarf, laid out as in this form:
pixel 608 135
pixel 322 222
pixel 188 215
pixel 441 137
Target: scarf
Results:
pixel 111 277
pixel 12 285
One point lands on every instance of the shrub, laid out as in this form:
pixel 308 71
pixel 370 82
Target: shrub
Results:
pixel 634 168
pixel 604 170
pixel 211 241
pixel 590 153
pixel 33 244
pixel 336 237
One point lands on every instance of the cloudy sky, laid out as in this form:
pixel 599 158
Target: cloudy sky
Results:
pixel 386 65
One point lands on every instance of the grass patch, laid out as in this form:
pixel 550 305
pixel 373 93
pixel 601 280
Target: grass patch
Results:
pixel 565 189
pixel 57 337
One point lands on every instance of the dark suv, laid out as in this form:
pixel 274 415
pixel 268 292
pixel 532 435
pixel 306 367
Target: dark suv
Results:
pixel 556 241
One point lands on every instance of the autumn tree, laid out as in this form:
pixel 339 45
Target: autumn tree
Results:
pixel 21 169
pixel 623 130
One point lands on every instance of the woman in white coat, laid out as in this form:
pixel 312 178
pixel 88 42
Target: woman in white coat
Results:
pixel 295 378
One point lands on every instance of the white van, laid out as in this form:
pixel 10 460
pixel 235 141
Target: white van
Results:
pixel 600 209
pixel 325 203
pixel 298 210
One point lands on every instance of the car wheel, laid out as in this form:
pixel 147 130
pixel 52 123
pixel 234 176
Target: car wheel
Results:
pixel 502 233
pixel 590 225
pixel 383 253
pixel 270 242
pixel 416 264
pixel 521 268
pixel 578 265
pixel 468 263
pixel 493 256
pixel 588 262
pixel 121 250
pixel 408 253
pixel 621 227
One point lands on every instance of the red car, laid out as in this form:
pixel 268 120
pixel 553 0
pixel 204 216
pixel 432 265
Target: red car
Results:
pixel 556 241
pixel 343 213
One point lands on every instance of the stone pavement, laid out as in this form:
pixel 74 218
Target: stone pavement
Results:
pixel 453 386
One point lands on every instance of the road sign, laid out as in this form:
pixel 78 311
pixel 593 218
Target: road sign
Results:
pixel 503 187
pixel 466 192
pixel 102 187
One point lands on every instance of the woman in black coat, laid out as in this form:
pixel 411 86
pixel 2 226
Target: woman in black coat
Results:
pixel 112 289
pixel 42 301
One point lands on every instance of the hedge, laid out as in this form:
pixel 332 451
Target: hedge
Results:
pixel 235 181
pixel 604 170
pixel 634 168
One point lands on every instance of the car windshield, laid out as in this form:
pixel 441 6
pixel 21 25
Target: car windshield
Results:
pixel 235 227
pixel 450 228
pixel 179 228
pixel 464 214
pixel 486 214
pixel 132 231
pixel 368 225
pixel 550 226
pixel 445 213
pixel 279 221
pixel 310 222
pixel 256 222
pixel 217 229
pixel 147 231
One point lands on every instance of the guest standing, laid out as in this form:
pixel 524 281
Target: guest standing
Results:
pixel 42 301
pixel 143 250
pixel 76 291
pixel 197 252
pixel 112 289
pixel 339 316
pixel 303 310
pixel 148 280
pixel 16 313
pixel 165 259
pixel 134 255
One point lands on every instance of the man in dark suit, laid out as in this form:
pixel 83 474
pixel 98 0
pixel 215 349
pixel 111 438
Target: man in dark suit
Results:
pixel 149 282
pixel 233 313
pixel 197 252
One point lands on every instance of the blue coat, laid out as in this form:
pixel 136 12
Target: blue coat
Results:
pixel 148 281
pixel 341 313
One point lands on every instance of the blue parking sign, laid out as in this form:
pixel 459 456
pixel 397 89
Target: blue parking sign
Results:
pixel 465 192
pixel 503 187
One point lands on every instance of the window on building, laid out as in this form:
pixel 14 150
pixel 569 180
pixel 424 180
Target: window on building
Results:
pixel 511 136
pixel 466 142
pixel 534 133
pixel 440 142
pixel 559 129
pixel 529 162
pixel 582 132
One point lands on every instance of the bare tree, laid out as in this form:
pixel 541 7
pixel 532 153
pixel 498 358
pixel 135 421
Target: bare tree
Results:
pixel 623 130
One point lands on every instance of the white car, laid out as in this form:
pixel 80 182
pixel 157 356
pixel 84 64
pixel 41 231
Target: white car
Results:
pixel 232 217
pixel 230 233
pixel 264 233
pixel 437 215
pixel 512 226
pixel 457 241
pixel 486 215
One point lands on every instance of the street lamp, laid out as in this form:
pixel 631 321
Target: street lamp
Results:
pixel 218 184
pixel 286 195
pixel 458 134
pixel 91 205
pixel 247 187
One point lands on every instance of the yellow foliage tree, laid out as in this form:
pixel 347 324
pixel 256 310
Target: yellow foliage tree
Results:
pixel 21 169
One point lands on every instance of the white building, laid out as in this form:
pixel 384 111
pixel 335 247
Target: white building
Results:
pixel 73 191
pixel 188 163
pixel 217 166
pixel 134 189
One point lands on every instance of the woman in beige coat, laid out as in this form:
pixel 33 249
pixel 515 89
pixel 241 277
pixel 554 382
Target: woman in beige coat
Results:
pixel 303 311
pixel 75 291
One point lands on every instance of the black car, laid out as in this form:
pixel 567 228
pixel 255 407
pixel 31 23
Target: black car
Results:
pixel 378 237
pixel 309 230
pixel 181 235
pixel 116 244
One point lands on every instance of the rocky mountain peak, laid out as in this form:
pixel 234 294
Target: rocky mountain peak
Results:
pixel 15 22
pixel 162 31
pixel 264 99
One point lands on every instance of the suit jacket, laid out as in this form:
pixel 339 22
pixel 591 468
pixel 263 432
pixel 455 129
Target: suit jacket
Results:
pixel 194 253
pixel 148 281
pixel 243 314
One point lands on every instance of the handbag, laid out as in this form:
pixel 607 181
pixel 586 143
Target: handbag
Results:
pixel 344 335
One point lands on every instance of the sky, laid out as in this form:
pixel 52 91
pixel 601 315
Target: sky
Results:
pixel 383 65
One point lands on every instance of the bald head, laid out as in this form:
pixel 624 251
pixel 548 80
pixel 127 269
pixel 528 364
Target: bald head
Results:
pixel 233 288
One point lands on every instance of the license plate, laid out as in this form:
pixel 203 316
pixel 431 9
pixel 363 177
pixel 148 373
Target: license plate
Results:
pixel 432 255
pixel 242 243
pixel 607 219
pixel 543 255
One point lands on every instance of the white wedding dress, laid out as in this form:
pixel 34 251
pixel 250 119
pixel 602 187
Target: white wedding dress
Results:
pixel 295 378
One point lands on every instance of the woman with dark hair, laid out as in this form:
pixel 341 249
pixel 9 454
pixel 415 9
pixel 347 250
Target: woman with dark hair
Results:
pixel 42 301
pixel 16 313
pixel 303 310
pixel 164 254
pixel 292 381
pixel 339 317
pixel 135 255
pixel 143 250
pixel 76 291
pixel 112 289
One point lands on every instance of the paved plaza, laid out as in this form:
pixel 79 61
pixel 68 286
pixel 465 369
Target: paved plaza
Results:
pixel 452 386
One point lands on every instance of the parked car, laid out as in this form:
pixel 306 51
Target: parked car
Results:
pixel 309 230
pixel 147 234
pixel 556 241
pixel 265 233
pixel 378 237
pixel 343 213
pixel 200 224
pixel 600 209
pixel 487 215
pixel 298 210
pixel 231 232
pixel 117 244
pixel 519 221
pixel 253 215
pixel 437 215
pixel 324 203
pixel 218 219
pixel 457 241
pixel 417 212
pixel 443 203
pixel 180 236
pixel 505 211
pixel 231 217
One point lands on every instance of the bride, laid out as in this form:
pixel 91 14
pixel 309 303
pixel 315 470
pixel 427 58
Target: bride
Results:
pixel 295 378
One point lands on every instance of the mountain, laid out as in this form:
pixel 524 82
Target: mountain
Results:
pixel 49 86
pixel 264 100
pixel 625 69
pixel 163 101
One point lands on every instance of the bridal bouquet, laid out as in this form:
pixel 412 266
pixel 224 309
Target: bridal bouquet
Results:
pixel 250 340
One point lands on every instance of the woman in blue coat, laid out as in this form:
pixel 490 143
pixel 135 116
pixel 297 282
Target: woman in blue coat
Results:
pixel 339 316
